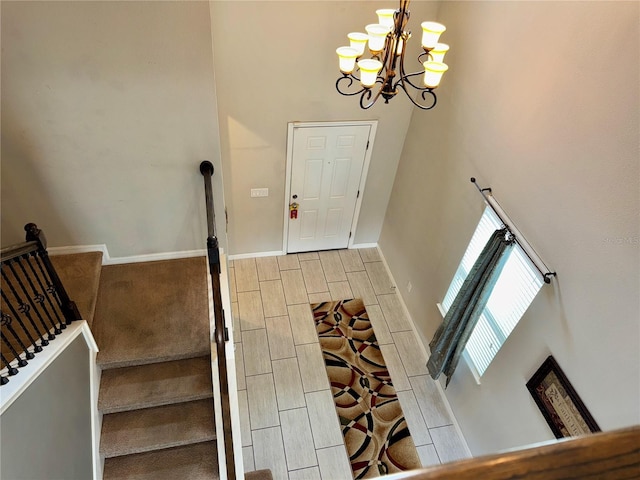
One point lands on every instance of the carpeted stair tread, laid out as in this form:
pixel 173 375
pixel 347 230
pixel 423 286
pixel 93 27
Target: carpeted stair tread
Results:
pixel 80 275
pixel 152 312
pixel 156 384
pixel 155 428
pixel 193 462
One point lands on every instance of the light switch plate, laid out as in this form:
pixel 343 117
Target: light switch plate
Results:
pixel 259 192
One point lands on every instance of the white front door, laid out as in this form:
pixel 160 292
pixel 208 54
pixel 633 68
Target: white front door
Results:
pixel 326 170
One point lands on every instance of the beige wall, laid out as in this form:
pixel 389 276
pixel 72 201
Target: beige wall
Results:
pixel 540 103
pixel 107 110
pixel 276 63
pixel 47 433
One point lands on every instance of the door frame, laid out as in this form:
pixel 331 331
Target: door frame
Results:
pixel 291 126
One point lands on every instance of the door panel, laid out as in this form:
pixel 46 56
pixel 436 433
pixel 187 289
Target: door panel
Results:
pixel 325 176
pixel 340 180
pixel 332 227
pixel 309 220
pixel 312 180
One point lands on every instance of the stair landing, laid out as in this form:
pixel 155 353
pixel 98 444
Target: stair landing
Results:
pixel 152 312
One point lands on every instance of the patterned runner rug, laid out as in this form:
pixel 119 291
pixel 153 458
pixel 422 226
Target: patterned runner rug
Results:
pixel 373 425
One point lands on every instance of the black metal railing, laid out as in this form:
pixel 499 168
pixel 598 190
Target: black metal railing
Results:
pixel 220 333
pixel 34 305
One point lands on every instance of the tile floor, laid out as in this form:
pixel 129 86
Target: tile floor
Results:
pixel 288 419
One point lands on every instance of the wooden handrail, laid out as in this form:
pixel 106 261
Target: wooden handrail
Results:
pixel 611 456
pixel 15 251
pixel 220 333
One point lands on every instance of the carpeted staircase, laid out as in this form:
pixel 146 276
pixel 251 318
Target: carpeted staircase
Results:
pixel 151 324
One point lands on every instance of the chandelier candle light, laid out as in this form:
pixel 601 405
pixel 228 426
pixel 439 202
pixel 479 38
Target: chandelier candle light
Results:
pixel 387 41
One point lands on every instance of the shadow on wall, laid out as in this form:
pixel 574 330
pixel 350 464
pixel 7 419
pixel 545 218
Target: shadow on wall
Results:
pixel 25 195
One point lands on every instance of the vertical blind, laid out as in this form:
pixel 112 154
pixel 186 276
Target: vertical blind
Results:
pixel 514 291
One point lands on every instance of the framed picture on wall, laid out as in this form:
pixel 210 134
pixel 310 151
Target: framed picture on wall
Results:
pixel 559 403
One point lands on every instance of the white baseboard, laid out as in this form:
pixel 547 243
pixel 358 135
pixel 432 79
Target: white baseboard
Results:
pixel 423 346
pixel 109 260
pixel 154 257
pixel 240 256
pixel 275 253
pixel 363 245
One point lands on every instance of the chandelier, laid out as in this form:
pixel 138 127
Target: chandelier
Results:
pixel 387 41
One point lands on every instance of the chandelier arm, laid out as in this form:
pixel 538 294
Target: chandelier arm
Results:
pixel 368 95
pixel 350 78
pixel 425 91
pixel 406 78
pixel 422 55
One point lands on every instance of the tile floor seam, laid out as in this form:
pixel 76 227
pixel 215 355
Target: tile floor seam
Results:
pixel 441 426
pixel 266 428
pixel 258 374
pixel 314 449
pixel 293 408
pixel 323 277
pixel 286 462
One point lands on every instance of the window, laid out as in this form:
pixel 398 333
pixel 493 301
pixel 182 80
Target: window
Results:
pixel 514 291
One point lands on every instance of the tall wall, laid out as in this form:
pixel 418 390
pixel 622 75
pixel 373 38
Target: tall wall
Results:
pixel 107 110
pixel 276 63
pixel 541 103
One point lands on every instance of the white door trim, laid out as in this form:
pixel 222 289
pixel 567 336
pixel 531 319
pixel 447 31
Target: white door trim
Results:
pixel 373 124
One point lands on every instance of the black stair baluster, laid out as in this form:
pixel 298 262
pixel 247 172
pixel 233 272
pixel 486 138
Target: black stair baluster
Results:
pixel 43 294
pixel 36 348
pixel 26 307
pixel 10 370
pixel 3 338
pixel 51 288
pixel 38 299
pixel 6 323
pixel 43 341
